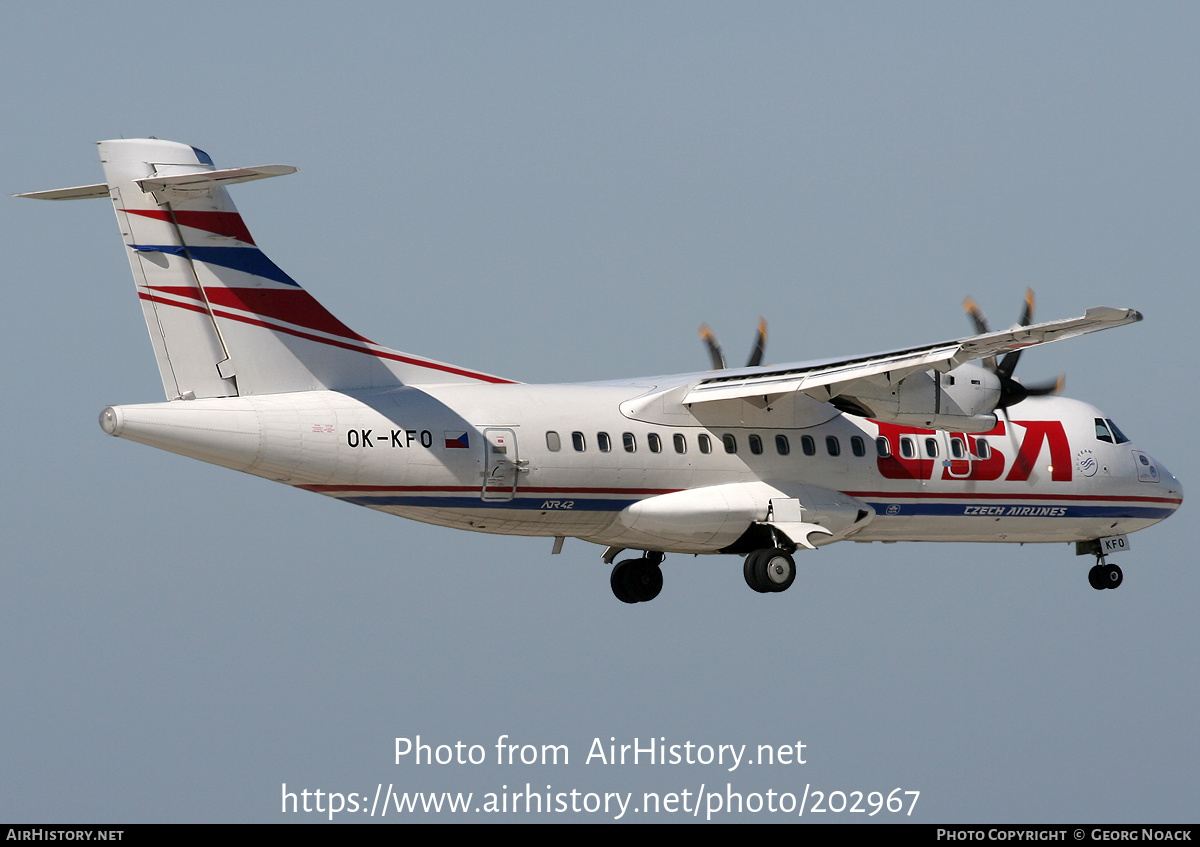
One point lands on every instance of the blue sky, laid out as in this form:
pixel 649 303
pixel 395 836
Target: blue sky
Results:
pixel 561 192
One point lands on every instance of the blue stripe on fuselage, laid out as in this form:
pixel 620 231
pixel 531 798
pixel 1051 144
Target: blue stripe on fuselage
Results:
pixel 884 509
pixel 1019 510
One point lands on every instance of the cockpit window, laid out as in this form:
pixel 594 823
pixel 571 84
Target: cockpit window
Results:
pixel 1121 437
pixel 1102 433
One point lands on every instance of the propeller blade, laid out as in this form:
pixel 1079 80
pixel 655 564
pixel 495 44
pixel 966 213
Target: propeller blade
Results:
pixel 978 318
pixel 714 349
pixel 1027 312
pixel 1020 459
pixel 1009 363
pixel 1046 388
pixel 760 345
pixel 980 321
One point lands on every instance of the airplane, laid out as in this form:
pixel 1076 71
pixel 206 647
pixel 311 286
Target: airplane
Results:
pixel 938 442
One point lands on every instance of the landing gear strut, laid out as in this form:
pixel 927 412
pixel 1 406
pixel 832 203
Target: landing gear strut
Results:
pixel 637 580
pixel 771 570
pixel 1103 575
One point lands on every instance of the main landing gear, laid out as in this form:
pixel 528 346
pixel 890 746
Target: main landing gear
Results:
pixel 771 570
pixel 637 580
pixel 767 571
pixel 1103 575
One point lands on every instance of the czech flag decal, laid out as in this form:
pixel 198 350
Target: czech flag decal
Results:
pixel 456 440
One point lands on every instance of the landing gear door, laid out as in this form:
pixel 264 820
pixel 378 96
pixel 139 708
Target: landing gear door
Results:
pixel 502 465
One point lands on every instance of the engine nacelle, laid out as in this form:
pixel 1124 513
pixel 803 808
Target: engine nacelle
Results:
pixel 963 400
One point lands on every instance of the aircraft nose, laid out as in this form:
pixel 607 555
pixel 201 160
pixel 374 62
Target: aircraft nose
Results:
pixel 1175 487
pixel 1172 486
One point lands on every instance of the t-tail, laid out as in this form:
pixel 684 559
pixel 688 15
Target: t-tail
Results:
pixel 225 320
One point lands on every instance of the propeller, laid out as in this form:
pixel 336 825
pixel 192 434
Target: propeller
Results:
pixel 714 349
pixel 1012 392
pixel 760 344
pixel 718 356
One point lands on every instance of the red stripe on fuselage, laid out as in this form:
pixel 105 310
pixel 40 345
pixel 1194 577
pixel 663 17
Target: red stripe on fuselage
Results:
pixel 533 489
pixel 218 223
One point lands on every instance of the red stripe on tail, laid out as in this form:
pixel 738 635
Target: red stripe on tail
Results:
pixel 218 223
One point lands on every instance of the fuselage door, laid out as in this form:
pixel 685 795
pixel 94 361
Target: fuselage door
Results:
pixel 957 457
pixel 502 464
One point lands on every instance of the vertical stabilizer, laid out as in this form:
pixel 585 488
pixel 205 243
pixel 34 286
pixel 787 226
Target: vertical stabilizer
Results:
pixel 193 359
pixel 224 319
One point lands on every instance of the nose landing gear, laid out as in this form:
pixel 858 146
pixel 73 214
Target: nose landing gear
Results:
pixel 1103 575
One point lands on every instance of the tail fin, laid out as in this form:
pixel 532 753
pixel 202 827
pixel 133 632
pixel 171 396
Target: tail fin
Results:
pixel 224 319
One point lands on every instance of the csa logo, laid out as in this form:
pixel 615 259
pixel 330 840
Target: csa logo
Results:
pixel 1085 463
pixel 893 509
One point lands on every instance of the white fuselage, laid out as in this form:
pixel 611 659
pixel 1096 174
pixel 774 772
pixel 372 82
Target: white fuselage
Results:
pixel 602 463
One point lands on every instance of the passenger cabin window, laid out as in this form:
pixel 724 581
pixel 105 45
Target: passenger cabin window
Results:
pixel 603 442
pixel 833 446
pixel 680 442
pixel 857 446
pixel 553 442
pixel 629 441
pixel 931 448
pixel 781 445
pixel 957 450
pixel 578 441
pixel 1102 433
pixel 982 449
pixel 908 447
pixel 654 442
pixel 755 445
pixel 1121 437
pixel 883 447
pixel 705 443
pixel 730 442
pixel 808 445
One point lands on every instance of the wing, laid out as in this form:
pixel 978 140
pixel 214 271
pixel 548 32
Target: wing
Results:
pixel 827 379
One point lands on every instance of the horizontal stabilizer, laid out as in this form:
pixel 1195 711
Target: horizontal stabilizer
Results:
pixel 79 192
pixel 174 187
